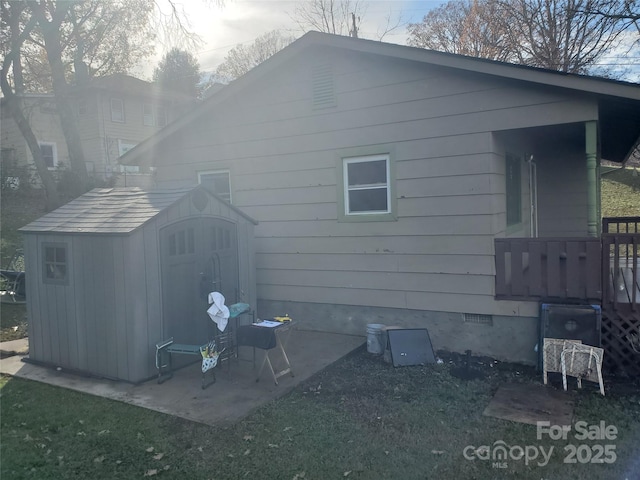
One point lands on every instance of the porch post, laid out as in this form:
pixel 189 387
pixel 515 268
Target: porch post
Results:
pixel 591 149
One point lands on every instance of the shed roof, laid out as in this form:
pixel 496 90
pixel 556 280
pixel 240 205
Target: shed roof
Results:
pixel 112 211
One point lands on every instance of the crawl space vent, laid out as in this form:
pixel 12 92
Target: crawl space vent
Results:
pixel 477 318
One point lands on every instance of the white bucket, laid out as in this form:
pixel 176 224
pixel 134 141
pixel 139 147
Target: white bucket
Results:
pixel 375 343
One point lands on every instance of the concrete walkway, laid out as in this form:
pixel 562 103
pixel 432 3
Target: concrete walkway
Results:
pixel 235 394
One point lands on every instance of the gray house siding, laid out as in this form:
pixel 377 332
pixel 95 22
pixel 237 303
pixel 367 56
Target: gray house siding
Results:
pixel 562 180
pixel 438 127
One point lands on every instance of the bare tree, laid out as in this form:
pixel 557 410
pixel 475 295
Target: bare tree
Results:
pixel 627 10
pixel 561 35
pixel 339 17
pixel 243 58
pixel 49 45
pixel 464 27
pixel 50 19
pixel 15 31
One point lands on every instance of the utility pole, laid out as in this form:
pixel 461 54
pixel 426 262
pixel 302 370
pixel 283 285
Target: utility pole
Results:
pixel 354 29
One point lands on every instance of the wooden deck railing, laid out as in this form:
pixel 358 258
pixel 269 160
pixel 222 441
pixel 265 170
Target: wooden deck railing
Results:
pixel 548 268
pixel 620 249
pixel 621 225
pixel 605 269
pixel 621 270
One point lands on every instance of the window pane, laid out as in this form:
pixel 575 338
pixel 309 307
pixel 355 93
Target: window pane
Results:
pixel 367 173
pixel 55 265
pixel 218 183
pixel 221 184
pixel 117 110
pixel 61 271
pixel 370 200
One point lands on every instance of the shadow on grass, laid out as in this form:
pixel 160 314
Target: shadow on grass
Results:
pixel 625 176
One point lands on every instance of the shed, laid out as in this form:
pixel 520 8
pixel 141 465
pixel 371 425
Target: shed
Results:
pixel 116 270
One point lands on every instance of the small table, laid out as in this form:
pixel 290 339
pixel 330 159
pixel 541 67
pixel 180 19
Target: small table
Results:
pixel 267 335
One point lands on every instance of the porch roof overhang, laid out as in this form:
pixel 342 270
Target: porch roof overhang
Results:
pixel 619 128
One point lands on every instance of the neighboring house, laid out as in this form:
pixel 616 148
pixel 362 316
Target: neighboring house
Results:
pixel 114 113
pixel 384 179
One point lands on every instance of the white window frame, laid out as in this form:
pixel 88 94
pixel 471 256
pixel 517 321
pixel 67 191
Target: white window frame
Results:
pixel 366 159
pixel 117 110
pixel 218 172
pixel 54 150
pixel 148 117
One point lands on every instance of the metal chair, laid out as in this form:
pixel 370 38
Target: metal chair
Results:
pixel 582 362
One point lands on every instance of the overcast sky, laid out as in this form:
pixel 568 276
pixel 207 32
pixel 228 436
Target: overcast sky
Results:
pixel 242 21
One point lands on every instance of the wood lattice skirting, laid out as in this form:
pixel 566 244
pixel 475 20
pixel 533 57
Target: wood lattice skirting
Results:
pixel 616 326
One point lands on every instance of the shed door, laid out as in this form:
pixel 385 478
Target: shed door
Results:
pixel 198 256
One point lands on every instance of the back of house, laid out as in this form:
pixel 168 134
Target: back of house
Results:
pixel 381 176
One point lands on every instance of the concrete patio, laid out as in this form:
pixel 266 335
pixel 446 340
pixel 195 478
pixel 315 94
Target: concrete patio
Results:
pixel 235 394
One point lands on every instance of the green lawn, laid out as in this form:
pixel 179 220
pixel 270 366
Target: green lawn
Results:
pixel 621 193
pixel 360 418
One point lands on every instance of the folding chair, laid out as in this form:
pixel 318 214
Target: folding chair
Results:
pixel 582 361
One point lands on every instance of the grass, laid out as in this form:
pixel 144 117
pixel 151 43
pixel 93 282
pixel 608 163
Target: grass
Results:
pixel 359 418
pixel 621 193
pixel 16 211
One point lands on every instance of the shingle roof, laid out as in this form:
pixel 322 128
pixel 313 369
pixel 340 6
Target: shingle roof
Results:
pixel 107 210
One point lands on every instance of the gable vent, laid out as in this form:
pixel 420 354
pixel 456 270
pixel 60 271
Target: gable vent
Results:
pixel 324 95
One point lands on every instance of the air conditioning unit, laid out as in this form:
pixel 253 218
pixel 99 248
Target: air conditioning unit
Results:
pixel 574 322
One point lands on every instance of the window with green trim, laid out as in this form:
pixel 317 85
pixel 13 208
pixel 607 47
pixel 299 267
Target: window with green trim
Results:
pixel 513 189
pixel 366 184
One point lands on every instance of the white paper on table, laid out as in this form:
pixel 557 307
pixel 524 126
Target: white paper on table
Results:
pixel 267 323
